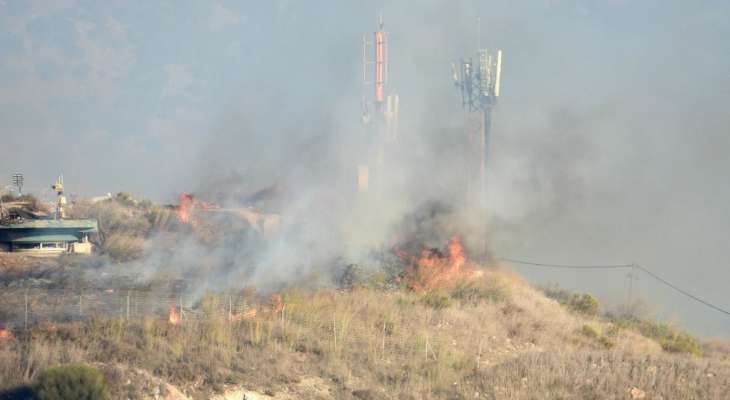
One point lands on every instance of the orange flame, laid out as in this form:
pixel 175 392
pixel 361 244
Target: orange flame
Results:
pixel 188 203
pixel 174 316
pixel 435 268
pixel 5 333
pixel 184 210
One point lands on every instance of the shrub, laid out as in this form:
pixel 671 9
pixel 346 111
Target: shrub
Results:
pixel 556 293
pixel 115 216
pixel 126 199
pixel 606 342
pixel 670 339
pixel 583 304
pixel 32 202
pixel 160 218
pixel 680 342
pixel 589 331
pixel 475 291
pixel 71 382
pixel 121 247
pixel 352 275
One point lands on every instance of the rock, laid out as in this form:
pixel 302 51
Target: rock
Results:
pixel 637 393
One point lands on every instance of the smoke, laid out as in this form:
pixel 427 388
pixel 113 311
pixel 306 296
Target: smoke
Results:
pixel 609 138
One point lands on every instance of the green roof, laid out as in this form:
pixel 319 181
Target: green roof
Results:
pixel 45 238
pixel 83 225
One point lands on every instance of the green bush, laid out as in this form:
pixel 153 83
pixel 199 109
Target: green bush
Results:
pixel 592 333
pixel 554 292
pixel 71 382
pixel 476 291
pixel 680 342
pixel 583 304
pixel 671 339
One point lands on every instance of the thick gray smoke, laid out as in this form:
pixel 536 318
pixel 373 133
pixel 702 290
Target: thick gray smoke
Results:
pixel 609 144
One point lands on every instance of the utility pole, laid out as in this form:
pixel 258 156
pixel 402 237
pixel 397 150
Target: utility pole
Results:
pixel 631 275
pixel 18 182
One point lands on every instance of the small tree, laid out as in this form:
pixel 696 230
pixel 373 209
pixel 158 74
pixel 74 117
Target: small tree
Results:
pixel 71 382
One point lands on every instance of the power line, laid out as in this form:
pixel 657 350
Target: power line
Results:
pixel 568 266
pixel 621 266
pixel 682 291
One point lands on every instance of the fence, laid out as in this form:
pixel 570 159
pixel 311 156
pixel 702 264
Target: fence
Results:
pixel 333 326
pixel 21 307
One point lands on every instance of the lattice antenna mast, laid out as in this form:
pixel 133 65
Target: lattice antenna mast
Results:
pixel 60 198
pixel 478 79
pixel 380 107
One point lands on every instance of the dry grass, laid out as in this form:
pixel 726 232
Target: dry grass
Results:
pixel 494 337
pixel 124 224
pixel 608 375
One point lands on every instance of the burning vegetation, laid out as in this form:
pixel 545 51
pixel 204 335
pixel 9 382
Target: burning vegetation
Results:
pixel 5 333
pixel 174 317
pixel 188 204
pixel 435 268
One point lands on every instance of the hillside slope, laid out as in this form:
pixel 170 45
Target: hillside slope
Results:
pixel 492 336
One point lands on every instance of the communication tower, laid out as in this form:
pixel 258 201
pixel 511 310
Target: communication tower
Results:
pixel 379 107
pixel 478 80
pixel 61 199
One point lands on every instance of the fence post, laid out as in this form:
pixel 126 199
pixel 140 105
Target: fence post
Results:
pixel 25 323
pixel 81 304
pixel 382 346
pixel 479 355
pixel 128 291
pixel 230 308
pixel 427 346
pixel 334 329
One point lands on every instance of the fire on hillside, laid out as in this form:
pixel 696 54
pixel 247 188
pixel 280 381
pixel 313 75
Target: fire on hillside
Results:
pixel 174 316
pixel 192 211
pixel 435 268
pixel 5 333
pixel 188 203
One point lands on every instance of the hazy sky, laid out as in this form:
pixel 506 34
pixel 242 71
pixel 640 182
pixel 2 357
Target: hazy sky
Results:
pixel 611 137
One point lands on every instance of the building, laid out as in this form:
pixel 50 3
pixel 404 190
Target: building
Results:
pixel 48 236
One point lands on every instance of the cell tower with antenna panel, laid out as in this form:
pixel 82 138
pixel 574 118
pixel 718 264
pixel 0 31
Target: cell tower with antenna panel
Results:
pixel 478 80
